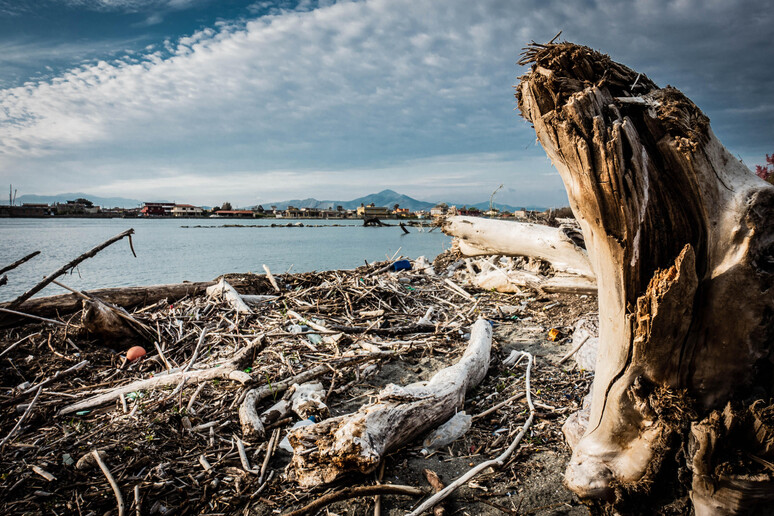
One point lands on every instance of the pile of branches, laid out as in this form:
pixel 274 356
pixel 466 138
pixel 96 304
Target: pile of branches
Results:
pixel 188 428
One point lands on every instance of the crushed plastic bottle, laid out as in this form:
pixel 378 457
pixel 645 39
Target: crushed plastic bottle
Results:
pixel 285 443
pixel 448 432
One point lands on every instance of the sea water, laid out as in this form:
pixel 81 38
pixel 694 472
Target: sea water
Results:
pixel 176 250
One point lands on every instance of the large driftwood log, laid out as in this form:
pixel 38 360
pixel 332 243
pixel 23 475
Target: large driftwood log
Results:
pixel 125 297
pixel 357 442
pixel 487 236
pixel 681 239
pixel 511 281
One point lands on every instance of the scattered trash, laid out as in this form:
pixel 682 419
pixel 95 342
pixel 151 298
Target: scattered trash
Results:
pixel 401 265
pixel 285 443
pixel 135 353
pixel 448 432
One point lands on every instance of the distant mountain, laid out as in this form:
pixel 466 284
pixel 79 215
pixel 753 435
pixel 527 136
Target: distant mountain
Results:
pixel 105 202
pixel 387 198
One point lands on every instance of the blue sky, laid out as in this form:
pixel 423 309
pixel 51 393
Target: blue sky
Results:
pixel 205 101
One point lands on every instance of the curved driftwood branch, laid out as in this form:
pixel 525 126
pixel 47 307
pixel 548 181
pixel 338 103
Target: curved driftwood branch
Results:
pixel 66 267
pixel 358 441
pixel 681 240
pixel 487 236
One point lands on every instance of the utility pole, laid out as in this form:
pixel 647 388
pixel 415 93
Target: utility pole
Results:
pixel 491 199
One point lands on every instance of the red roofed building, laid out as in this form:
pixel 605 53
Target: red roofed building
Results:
pixel 157 209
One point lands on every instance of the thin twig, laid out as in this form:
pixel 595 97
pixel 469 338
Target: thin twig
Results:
pixel 111 480
pixel 574 350
pixel 12 346
pixel 22 314
pixel 355 492
pixel 196 350
pixel 21 419
pixel 497 462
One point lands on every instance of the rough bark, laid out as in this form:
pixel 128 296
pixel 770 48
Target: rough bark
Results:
pixel 358 441
pixel 681 240
pixel 486 236
pixel 112 325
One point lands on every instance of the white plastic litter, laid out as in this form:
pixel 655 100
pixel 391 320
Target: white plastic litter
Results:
pixel 448 432
pixel 285 443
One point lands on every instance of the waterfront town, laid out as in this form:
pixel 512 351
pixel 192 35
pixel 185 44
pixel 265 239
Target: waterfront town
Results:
pixel 86 209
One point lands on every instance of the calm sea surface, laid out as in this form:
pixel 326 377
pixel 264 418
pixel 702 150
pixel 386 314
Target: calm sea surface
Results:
pixel 167 252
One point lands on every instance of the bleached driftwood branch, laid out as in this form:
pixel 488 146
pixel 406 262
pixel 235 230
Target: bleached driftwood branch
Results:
pixel 358 441
pixel 511 281
pixel 222 290
pixel 479 236
pixel 230 369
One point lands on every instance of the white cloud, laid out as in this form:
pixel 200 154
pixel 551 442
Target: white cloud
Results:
pixel 339 98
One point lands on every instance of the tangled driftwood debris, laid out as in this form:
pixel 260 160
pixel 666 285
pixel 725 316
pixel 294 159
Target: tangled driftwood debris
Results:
pixel 198 420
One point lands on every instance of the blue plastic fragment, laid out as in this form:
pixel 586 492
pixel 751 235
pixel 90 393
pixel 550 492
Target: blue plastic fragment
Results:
pixel 401 265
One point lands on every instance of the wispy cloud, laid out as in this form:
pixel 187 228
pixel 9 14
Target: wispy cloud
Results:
pixel 357 94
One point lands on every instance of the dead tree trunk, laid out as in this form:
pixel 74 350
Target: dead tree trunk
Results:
pixel 680 235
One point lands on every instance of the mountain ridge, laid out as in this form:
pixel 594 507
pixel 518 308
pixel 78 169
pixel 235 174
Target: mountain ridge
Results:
pixel 387 198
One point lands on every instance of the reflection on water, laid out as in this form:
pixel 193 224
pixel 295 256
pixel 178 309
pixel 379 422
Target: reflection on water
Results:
pixel 170 253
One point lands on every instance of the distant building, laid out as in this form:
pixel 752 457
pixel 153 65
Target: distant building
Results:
pixel 157 209
pixel 373 211
pixel 401 212
pixel 234 213
pixel 520 213
pixel 187 210
pixel 76 207
pixel 439 210
pixel 30 210
pixel 292 212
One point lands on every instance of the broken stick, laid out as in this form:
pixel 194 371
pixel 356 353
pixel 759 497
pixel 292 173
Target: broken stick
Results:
pixel 61 270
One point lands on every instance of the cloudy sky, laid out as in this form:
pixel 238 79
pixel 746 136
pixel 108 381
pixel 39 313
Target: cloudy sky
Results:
pixel 205 101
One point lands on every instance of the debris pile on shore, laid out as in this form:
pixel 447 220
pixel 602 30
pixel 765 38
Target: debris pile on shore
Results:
pixel 169 430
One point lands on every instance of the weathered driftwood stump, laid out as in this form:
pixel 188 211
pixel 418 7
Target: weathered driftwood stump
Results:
pixel 681 238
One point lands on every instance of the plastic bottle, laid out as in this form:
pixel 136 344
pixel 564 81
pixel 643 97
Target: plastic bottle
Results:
pixel 285 443
pixel 448 432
